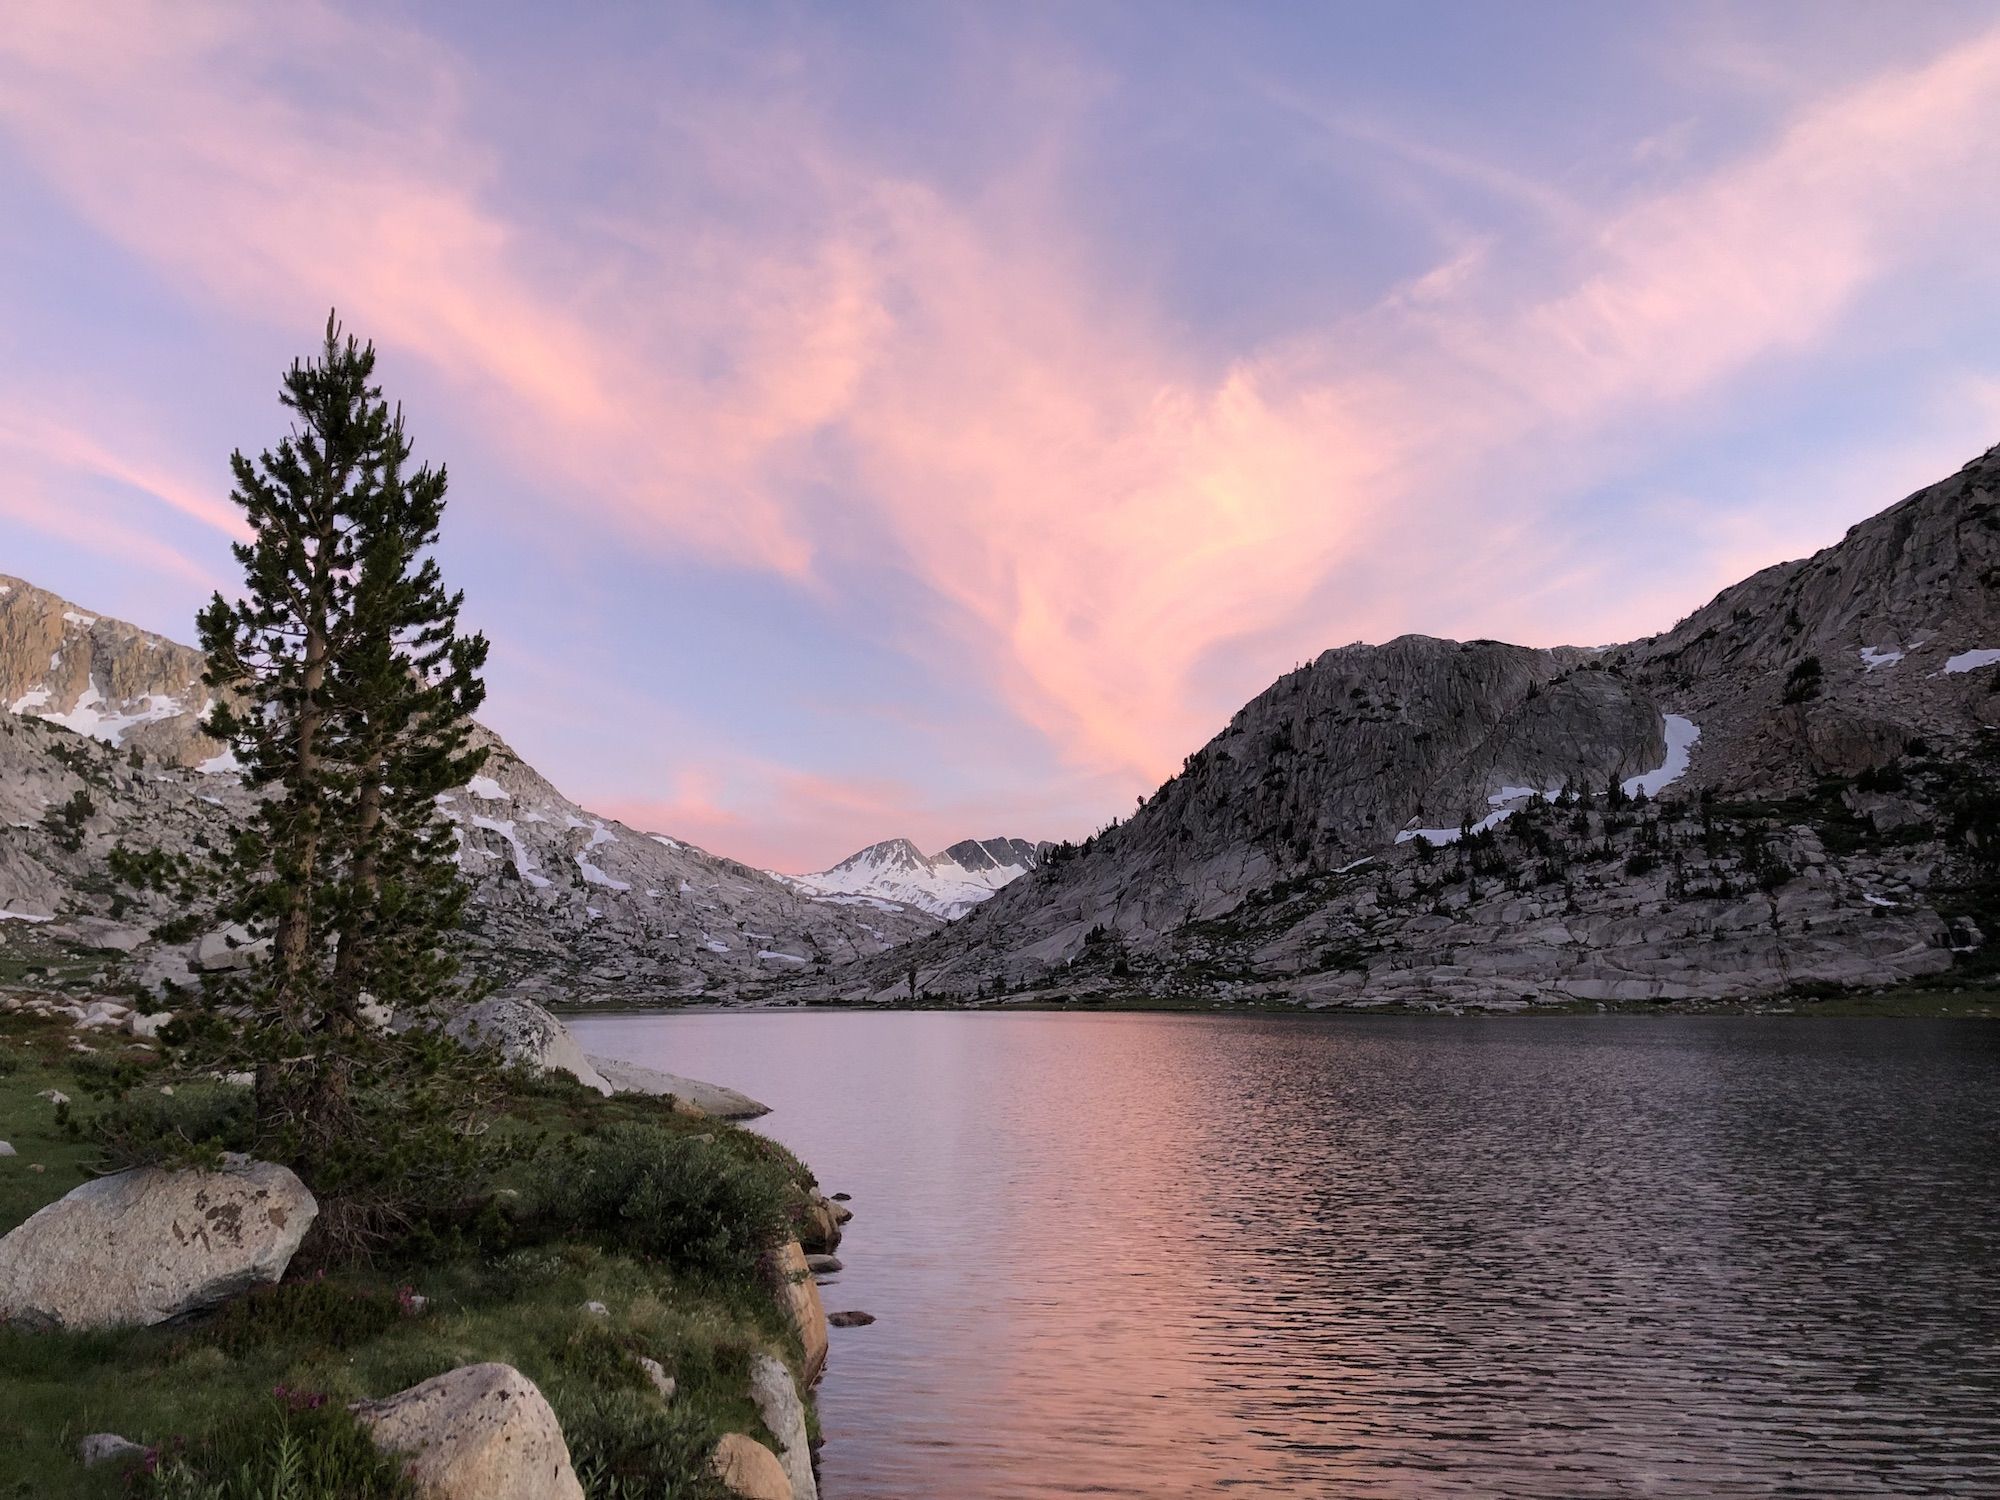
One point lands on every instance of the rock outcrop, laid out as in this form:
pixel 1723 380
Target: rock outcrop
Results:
pixel 524 1036
pixel 704 1098
pixel 777 1401
pixel 749 1470
pixel 480 1432
pixel 101 677
pixel 143 1246
pixel 798 1294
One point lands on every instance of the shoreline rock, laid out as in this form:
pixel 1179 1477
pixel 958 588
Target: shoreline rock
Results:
pixel 709 1098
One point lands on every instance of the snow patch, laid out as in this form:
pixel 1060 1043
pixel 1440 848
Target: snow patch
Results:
pixel 92 716
pixel 1971 661
pixel 1879 656
pixel 1682 734
pixel 599 835
pixel 524 864
pixel 217 765
pixel 486 789
pixel 83 622
pixel 773 956
pixel 23 916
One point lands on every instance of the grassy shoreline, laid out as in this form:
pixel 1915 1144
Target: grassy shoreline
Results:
pixel 221 1389
pixel 1949 998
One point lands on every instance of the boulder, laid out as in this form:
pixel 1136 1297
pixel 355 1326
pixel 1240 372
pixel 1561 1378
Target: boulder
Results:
pixel 749 1470
pixel 849 1319
pixel 819 1228
pixel 525 1036
pixel 798 1294
pixel 656 1372
pixel 107 1448
pixel 707 1098
pixel 778 1403
pixel 143 1246
pixel 6 1149
pixel 480 1432
pixel 231 947
pixel 147 1028
pixel 823 1265
pixel 107 936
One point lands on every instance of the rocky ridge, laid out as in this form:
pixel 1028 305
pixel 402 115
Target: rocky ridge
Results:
pixel 1791 787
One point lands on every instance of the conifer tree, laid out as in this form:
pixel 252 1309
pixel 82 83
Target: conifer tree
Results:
pixel 345 689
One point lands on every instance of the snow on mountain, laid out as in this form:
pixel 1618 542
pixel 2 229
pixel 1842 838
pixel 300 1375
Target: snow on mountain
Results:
pixel 895 873
pixel 564 901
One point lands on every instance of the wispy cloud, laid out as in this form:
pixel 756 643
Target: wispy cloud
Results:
pixel 847 364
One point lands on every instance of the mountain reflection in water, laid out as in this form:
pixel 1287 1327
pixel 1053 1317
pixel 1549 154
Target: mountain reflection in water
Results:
pixel 1133 1255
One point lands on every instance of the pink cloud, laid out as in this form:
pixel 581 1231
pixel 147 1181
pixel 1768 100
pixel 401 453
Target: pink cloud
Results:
pixel 1100 510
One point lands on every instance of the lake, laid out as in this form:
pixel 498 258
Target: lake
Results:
pixel 1176 1255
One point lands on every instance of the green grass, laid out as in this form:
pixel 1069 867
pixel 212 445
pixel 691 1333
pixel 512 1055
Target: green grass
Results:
pixel 209 1390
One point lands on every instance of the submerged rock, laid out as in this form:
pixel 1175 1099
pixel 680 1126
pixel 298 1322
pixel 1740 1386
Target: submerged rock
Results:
pixel 749 1470
pixel 824 1265
pixel 850 1319
pixel 778 1403
pixel 480 1432
pixel 143 1246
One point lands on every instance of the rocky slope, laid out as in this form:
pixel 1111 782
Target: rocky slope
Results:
pixel 1795 785
pixel 101 677
pixel 566 903
pixel 947 885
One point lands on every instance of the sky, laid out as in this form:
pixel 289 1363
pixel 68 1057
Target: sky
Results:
pixel 934 420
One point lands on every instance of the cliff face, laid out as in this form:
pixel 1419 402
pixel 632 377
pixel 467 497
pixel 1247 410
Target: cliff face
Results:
pixel 100 677
pixel 1806 746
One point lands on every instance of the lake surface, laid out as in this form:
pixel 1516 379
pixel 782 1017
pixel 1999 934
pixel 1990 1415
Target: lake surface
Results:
pixel 1133 1255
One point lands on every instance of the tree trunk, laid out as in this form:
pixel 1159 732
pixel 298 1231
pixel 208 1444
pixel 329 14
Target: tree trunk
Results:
pixel 351 966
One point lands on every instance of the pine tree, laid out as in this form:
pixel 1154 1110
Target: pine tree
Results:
pixel 346 691
pixel 270 657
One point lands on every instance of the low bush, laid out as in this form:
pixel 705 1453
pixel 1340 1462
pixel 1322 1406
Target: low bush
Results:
pixel 689 1202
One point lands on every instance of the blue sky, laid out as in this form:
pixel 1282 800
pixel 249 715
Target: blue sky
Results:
pixel 936 419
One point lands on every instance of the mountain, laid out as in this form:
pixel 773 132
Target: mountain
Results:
pixel 101 677
pixel 1793 786
pixel 895 873
pixel 565 901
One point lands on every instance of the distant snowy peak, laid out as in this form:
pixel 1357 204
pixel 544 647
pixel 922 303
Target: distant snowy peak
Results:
pixel 948 884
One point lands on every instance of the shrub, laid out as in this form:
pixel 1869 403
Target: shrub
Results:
pixel 298 1447
pixel 626 1446
pixel 1804 680
pixel 145 1128
pixel 689 1202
